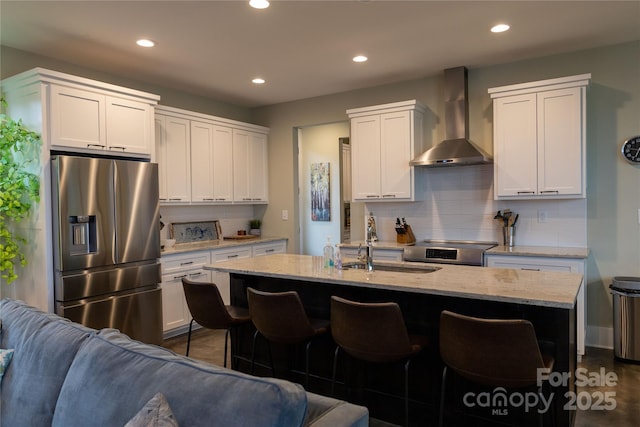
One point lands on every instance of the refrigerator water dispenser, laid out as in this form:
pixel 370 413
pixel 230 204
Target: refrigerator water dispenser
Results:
pixel 83 234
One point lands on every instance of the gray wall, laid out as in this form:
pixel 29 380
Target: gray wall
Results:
pixel 613 114
pixel 16 61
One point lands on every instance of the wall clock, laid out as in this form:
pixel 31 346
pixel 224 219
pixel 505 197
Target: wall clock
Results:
pixel 631 150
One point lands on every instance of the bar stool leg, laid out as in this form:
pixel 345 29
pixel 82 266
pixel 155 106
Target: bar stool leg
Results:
pixel 226 341
pixel 406 392
pixel 335 365
pixel 442 391
pixel 189 338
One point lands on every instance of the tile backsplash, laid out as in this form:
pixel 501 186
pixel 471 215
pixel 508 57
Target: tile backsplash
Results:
pixel 458 205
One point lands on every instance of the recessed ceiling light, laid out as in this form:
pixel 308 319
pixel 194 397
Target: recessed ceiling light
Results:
pixel 146 43
pixel 258 81
pixel 500 28
pixel 360 58
pixel 259 4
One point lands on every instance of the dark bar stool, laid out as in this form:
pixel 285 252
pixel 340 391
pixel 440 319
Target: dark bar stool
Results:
pixel 280 318
pixel 374 332
pixel 208 309
pixel 491 352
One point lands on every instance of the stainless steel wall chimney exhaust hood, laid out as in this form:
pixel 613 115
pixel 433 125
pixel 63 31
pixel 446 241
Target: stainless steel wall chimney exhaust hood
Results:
pixel 456 149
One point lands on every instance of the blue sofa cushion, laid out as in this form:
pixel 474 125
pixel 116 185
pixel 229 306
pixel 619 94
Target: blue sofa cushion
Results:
pixel 112 377
pixel 44 347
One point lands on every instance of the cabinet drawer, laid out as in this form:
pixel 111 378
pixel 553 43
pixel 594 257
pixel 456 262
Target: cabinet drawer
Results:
pixel 230 254
pixel 535 263
pixel 182 262
pixel 269 248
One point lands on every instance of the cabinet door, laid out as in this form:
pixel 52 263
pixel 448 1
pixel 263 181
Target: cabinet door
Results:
pixel 515 146
pixel 222 164
pixel 129 126
pixel 365 157
pixel 77 118
pixel 257 167
pixel 250 177
pixel 395 148
pixel 174 307
pixel 240 173
pixel 161 155
pixel 560 151
pixel 177 159
pixel 201 162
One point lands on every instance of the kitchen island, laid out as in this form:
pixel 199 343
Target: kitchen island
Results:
pixel 547 299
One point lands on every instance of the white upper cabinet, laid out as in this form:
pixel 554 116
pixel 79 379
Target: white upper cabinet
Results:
pixel 87 116
pixel 129 126
pixel 211 170
pixel 539 141
pixel 173 135
pixel 384 139
pixel 215 160
pixel 249 167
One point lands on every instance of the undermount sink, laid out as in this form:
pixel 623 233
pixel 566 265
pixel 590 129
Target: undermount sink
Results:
pixel 387 267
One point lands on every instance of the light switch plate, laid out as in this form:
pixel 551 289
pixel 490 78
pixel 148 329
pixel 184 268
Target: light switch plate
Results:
pixel 285 215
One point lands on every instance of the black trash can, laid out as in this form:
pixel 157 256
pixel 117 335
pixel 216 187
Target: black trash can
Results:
pixel 626 318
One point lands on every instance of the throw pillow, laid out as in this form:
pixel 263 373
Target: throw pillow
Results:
pixel 155 413
pixel 5 359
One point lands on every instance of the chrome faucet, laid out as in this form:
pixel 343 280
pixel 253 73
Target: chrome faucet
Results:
pixel 369 254
pixel 367 258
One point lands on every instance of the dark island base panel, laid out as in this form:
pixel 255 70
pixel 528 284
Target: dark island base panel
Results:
pixel 383 390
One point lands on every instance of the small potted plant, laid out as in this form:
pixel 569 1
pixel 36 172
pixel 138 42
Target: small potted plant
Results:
pixel 254 227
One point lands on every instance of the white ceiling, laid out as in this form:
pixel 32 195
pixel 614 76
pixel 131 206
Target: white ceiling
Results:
pixel 304 48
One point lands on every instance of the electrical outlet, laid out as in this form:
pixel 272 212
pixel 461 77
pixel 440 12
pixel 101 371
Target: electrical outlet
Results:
pixel 285 215
pixel 542 216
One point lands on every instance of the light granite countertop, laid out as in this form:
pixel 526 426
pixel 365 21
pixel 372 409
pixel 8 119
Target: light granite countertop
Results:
pixel 542 251
pixel 179 248
pixel 540 288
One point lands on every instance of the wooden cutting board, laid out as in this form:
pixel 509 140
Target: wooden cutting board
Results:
pixel 238 237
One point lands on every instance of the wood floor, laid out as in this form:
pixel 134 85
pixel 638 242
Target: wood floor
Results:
pixel 208 346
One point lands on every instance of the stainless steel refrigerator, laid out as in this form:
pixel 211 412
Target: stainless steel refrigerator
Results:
pixel 106 235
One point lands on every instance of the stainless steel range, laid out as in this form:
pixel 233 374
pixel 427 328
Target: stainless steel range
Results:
pixel 462 252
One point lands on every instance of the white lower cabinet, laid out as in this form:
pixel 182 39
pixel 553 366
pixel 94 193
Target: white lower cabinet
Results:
pixel 175 312
pixel 222 279
pixel 570 265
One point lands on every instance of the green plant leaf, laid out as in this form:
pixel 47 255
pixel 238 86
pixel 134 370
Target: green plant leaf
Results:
pixel 19 187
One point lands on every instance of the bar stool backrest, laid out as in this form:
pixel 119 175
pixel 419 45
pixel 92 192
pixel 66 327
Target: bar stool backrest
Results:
pixel 373 332
pixel 279 316
pixel 206 305
pixel 493 352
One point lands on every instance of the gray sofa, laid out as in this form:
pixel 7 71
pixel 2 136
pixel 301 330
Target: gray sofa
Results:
pixel 64 374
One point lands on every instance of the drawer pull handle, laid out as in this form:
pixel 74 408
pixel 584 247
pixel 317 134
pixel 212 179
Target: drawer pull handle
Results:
pixel 526 192
pixel 195 274
pixel 269 250
pixel 179 277
pixel 550 191
pixel 96 145
pixel 530 269
pixel 186 263
pixel 117 148
pixel 232 256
